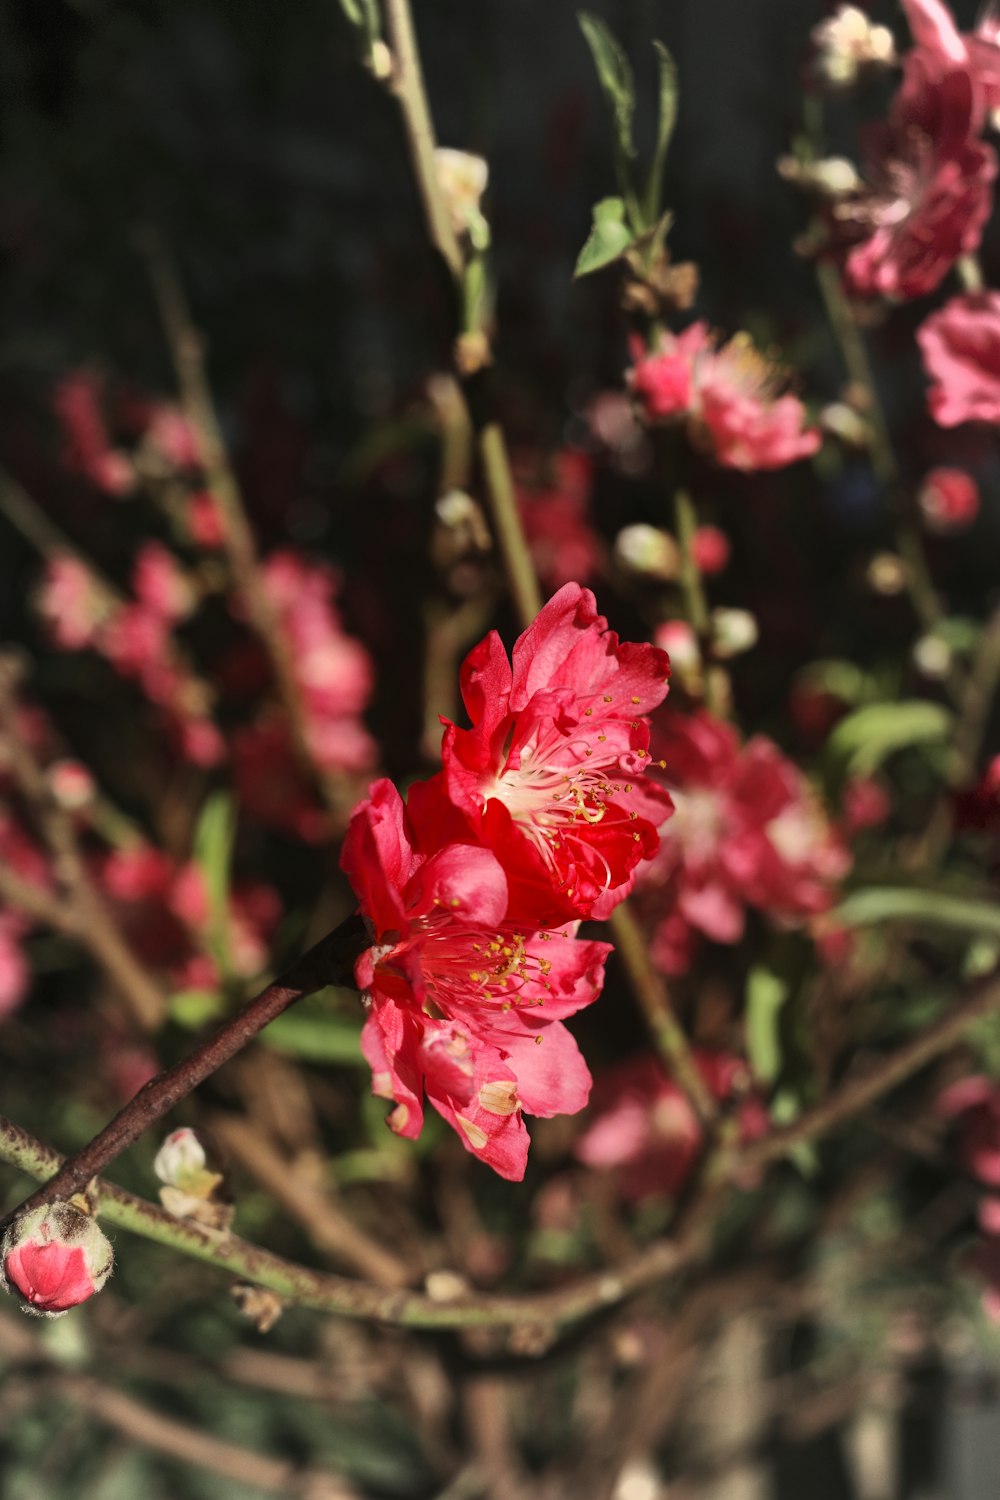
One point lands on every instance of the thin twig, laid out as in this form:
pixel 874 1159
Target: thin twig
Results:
pixel 329 962
pixel 241 548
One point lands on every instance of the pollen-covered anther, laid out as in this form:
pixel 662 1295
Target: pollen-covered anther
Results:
pixel 499 1096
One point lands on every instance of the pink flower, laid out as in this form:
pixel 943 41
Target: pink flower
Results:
pixel 170 431
pixel 334 671
pixel 159 585
pixel 960 344
pixel 948 500
pixel 936 34
pixel 557 522
pixel 54 1258
pixel 645 1127
pixel 729 397
pixel 929 187
pixel 204 520
pixel 69 602
pixel 747 832
pixel 466 999
pixel 89 451
pixel 550 775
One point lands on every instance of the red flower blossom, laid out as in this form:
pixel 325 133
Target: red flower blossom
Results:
pixel 960 344
pixel 550 775
pixel 929 189
pixel 747 832
pixel 465 998
pixel 645 1126
pixel 77 402
pixel 729 397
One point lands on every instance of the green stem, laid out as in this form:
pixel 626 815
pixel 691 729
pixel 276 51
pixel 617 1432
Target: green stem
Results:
pixel 654 999
pixel 717 693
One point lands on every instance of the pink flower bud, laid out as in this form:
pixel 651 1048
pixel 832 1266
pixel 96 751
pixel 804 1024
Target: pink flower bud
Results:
pixel 53 1258
pixel 949 500
pixel 180 1158
pixel 710 549
pixel 71 784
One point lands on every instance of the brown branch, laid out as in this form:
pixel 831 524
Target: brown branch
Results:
pixel 329 962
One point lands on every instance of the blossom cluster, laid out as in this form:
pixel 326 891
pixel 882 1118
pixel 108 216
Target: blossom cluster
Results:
pixel 474 890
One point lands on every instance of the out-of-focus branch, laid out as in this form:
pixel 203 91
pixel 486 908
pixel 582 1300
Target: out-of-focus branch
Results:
pixel 80 911
pixel 309 1203
pixel 329 962
pixel 241 548
pixel 178 1440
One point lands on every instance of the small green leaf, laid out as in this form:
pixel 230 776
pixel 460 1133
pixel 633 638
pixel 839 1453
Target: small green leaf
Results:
pixel 766 994
pixel 665 128
pixel 615 77
pixel 875 904
pixel 193 1009
pixel 316 1038
pixel 213 851
pixel 609 237
pixel 871 734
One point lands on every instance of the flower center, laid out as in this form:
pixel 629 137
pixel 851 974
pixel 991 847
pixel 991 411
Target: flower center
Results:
pixel 465 966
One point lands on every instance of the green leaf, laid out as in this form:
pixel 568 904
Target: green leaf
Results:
pixel 193 1009
pixel 665 128
pixel 876 904
pixel 363 14
pixel 317 1040
pixel 786 1106
pixel 871 734
pixel 766 994
pixel 609 237
pixel 615 77
pixel 213 852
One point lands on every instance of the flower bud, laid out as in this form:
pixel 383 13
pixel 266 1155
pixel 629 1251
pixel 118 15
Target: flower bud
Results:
pixel 933 657
pixel 180 1158
pixel 54 1257
pixel 733 632
pixel 830 177
pixel 948 500
pixel 71 784
pixel 710 550
pixel 886 574
pixel 462 178
pixel 646 549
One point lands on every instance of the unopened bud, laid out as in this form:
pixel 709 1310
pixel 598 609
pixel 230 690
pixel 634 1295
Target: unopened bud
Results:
pixel 71 784
pixel 733 632
pixel 462 179
pixel 53 1258
pixel 180 1163
pixel 948 500
pixel 933 657
pixel 844 422
pixel 710 550
pixel 679 641
pixel 886 574
pixel 830 177
pixel 647 550
pixel 380 61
